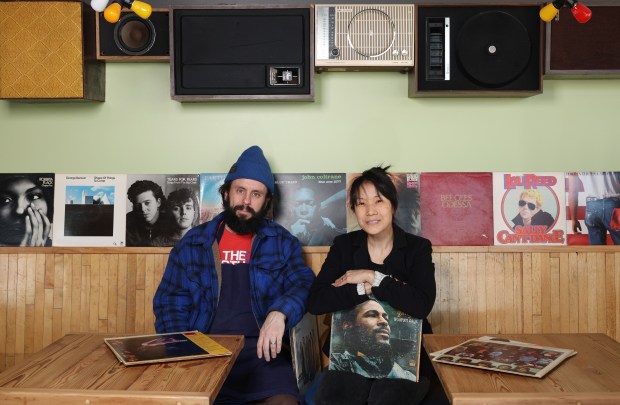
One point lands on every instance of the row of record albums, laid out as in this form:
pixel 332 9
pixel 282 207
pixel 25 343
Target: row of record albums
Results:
pixel 449 208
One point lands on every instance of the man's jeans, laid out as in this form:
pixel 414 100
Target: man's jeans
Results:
pixel 598 219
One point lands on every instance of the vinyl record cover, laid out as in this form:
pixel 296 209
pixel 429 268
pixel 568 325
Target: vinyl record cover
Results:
pixel 88 210
pixel 507 356
pixel 376 341
pixel 26 209
pixel 311 206
pixel 408 215
pixel 593 200
pixel 210 198
pixel 306 351
pixel 161 208
pixel 164 347
pixel 529 208
pixel 457 208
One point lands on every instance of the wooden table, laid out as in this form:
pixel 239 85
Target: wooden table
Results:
pixel 81 369
pixel 591 377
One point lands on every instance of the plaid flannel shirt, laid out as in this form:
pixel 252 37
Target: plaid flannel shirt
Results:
pixel 187 296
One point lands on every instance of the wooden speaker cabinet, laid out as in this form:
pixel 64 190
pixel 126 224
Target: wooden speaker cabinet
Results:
pixel 590 50
pixel 134 39
pixel 47 52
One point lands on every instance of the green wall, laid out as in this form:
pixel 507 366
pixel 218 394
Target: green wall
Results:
pixel 357 120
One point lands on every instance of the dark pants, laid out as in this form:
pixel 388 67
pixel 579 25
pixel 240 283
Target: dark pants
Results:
pixel 340 387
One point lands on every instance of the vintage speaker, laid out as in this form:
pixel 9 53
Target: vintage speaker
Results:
pixel 590 50
pixel 134 39
pixel 242 53
pixel 477 50
pixel 47 52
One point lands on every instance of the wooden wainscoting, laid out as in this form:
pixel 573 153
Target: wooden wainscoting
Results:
pixel 48 292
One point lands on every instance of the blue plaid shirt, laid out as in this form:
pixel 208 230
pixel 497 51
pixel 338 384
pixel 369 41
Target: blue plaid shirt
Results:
pixel 187 296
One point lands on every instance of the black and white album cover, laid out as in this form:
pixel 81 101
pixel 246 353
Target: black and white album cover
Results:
pixel 26 209
pixel 161 208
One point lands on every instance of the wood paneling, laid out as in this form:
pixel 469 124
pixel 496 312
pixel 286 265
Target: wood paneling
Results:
pixel 48 292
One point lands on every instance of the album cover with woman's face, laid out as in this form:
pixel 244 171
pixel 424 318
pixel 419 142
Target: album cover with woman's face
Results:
pixel 26 209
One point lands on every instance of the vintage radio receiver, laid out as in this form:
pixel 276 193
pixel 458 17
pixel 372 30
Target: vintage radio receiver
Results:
pixel 364 37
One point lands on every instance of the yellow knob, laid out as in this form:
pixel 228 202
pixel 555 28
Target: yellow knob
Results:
pixel 142 9
pixel 112 13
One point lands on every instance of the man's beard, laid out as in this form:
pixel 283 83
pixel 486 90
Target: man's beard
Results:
pixel 365 342
pixel 242 226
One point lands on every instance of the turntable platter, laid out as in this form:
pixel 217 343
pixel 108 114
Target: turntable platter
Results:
pixel 493 48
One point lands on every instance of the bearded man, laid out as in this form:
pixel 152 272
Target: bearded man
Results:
pixel 242 274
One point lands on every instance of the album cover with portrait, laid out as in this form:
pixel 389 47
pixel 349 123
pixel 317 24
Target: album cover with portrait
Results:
pixel 89 210
pixel 311 206
pixel 161 208
pixel 408 215
pixel 457 208
pixel 529 208
pixel 376 341
pixel 26 209
pixel 593 208
pixel 210 198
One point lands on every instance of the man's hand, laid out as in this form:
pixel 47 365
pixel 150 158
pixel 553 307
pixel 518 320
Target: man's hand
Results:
pixel 299 226
pixel 270 337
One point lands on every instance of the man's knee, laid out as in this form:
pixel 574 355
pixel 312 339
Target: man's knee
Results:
pixel 280 399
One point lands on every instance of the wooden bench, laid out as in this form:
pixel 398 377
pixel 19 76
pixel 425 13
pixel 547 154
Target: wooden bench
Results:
pixel 46 293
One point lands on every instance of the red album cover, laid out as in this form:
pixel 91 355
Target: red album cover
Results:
pixel 457 208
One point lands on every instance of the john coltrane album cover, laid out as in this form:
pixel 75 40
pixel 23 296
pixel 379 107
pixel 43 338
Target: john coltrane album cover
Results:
pixel 311 206
pixel 88 211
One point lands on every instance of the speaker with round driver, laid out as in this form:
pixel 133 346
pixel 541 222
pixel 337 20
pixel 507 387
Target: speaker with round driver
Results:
pixel 133 38
pixel 475 50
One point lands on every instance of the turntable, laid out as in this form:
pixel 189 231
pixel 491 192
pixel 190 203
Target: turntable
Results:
pixel 477 51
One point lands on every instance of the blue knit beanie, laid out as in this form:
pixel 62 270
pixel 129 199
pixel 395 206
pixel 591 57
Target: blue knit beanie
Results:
pixel 252 165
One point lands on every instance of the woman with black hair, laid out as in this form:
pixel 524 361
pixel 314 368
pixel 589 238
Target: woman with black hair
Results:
pixel 384 262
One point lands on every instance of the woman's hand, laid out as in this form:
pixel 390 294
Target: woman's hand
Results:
pixel 38 228
pixel 356 277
